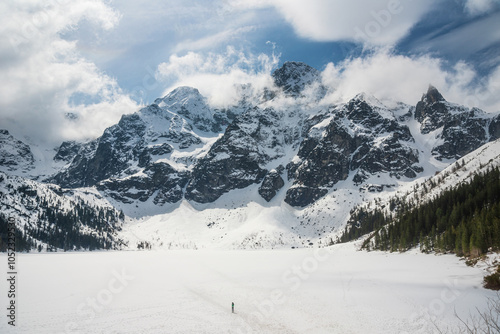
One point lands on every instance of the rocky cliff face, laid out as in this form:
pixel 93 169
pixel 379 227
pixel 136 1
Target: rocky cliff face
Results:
pixel 241 156
pixel 179 147
pixel 272 183
pixel 359 140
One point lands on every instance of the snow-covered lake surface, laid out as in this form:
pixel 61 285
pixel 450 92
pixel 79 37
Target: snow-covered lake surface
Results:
pixel 334 290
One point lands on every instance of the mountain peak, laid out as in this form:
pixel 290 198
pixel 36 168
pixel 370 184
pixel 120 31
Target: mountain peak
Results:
pixel 369 99
pixel 432 95
pixel 181 94
pixel 188 102
pixel 294 76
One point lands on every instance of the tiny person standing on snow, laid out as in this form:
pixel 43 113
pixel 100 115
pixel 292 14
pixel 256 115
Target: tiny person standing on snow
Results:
pixel 232 307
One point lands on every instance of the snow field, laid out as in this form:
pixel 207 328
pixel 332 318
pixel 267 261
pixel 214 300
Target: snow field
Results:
pixel 327 290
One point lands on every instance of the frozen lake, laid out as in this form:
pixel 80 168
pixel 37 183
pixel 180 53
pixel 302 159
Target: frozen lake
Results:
pixel 339 290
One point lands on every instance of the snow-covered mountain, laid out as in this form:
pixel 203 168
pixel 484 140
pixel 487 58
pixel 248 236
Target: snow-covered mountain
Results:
pixel 460 129
pixel 48 217
pixel 179 147
pixel 455 210
pixel 285 156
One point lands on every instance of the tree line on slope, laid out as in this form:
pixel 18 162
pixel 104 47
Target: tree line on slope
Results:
pixel 464 220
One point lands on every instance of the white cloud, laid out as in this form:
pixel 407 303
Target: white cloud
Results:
pixel 478 7
pixel 219 76
pixel 41 71
pixel 485 95
pixel 372 22
pixel 384 75
pixel 402 78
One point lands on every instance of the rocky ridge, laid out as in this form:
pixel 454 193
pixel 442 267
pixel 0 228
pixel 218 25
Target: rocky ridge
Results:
pixel 179 147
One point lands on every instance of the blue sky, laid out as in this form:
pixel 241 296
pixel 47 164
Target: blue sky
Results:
pixel 97 59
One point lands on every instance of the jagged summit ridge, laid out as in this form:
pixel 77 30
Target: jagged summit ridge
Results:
pixel 190 104
pixel 173 124
pixel 180 147
pixel 461 130
pixel 185 101
pixel 160 153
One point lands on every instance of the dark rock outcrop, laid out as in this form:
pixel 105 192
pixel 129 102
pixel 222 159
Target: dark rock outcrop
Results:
pixel 111 155
pixel 431 111
pixel 272 183
pixel 67 151
pixel 158 179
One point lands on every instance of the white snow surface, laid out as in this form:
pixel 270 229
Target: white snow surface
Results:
pixel 324 290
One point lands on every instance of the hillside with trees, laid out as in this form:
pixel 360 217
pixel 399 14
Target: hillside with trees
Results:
pixel 464 220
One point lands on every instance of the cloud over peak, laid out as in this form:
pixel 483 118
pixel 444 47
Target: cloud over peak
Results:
pixel 382 73
pixel 90 58
pixel 219 75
